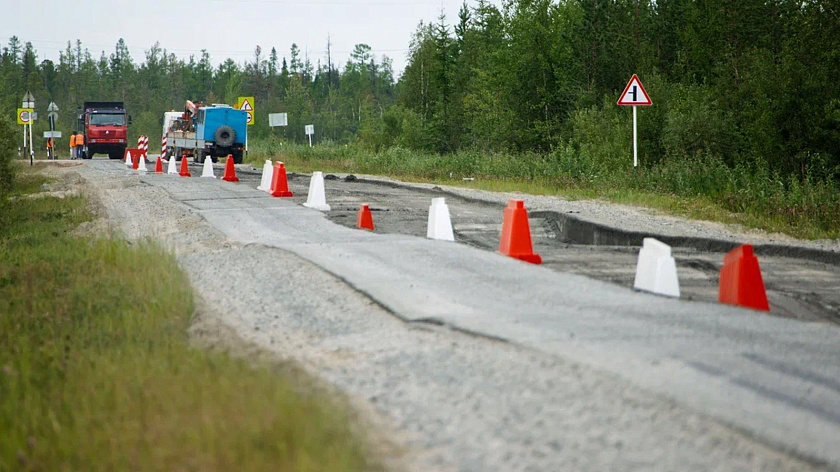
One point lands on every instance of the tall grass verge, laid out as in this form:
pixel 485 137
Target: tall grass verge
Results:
pixel 96 372
pixel 701 186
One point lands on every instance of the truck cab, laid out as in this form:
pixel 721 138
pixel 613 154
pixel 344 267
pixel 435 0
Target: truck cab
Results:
pixel 105 128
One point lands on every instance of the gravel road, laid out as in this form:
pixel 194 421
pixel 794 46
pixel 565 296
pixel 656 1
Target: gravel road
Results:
pixel 451 400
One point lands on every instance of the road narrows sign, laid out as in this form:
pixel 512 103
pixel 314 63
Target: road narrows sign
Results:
pixel 634 93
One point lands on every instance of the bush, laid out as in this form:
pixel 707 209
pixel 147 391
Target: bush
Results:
pixel 7 169
pixel 695 125
pixel 603 138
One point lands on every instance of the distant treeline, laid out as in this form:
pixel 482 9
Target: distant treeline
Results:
pixel 742 82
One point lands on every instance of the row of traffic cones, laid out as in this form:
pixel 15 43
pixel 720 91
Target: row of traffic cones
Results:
pixel 274 180
pixel 207 169
pixel 740 282
pixel 516 231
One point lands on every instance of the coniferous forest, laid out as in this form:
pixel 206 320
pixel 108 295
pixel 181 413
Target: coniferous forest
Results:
pixel 740 88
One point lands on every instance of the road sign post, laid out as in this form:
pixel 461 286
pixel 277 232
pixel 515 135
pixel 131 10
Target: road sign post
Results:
pixel 52 115
pixel 310 130
pixel 279 119
pixel 27 111
pixel 246 104
pixel 634 95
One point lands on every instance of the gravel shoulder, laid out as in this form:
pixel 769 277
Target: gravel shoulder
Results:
pixel 445 399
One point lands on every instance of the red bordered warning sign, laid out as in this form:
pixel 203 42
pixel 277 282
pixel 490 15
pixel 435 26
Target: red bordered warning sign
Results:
pixel 634 93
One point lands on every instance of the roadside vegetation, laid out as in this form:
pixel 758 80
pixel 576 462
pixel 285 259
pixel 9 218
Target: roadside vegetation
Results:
pixel 697 188
pixel 97 372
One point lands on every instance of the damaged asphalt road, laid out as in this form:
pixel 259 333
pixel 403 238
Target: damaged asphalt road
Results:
pixel 590 376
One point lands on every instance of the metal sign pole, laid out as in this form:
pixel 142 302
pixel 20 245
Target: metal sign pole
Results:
pixel 635 147
pixel 31 149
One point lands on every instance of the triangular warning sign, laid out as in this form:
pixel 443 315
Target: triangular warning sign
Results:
pixel 634 93
pixel 246 105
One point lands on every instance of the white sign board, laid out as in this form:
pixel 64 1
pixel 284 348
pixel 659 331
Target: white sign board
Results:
pixel 28 100
pixel 310 129
pixel 52 134
pixel 278 119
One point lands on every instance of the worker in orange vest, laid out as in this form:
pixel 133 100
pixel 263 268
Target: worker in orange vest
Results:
pixel 49 148
pixel 73 145
pixel 80 146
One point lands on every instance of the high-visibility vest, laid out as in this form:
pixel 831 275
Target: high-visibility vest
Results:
pixel 80 140
pixel 72 140
pixel 49 142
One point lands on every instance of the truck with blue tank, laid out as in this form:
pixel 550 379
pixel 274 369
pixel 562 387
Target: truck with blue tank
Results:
pixel 207 131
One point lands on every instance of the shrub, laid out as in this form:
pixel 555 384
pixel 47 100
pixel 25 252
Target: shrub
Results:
pixel 7 154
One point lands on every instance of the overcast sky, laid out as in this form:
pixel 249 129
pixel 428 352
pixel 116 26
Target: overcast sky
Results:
pixel 226 28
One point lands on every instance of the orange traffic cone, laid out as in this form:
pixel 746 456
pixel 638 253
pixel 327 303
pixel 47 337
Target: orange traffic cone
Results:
pixel 516 234
pixel 159 166
pixel 364 219
pixel 185 167
pixel 230 171
pixel 740 280
pixel 135 160
pixel 279 185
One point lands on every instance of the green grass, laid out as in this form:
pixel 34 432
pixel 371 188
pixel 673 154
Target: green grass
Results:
pixel 702 189
pixel 97 373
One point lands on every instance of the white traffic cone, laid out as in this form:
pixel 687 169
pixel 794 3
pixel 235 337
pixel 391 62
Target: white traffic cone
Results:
pixel 440 226
pixel 141 164
pixel 265 181
pixel 317 198
pixel 207 170
pixel 172 168
pixel 656 271
pixel 128 159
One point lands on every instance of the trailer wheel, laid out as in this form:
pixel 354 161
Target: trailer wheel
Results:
pixel 199 156
pixel 225 136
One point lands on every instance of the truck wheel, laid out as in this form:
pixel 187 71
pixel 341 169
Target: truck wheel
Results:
pixel 225 136
pixel 112 155
pixel 237 157
pixel 199 157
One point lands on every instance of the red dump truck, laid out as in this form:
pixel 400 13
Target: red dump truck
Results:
pixel 105 127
